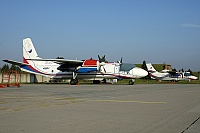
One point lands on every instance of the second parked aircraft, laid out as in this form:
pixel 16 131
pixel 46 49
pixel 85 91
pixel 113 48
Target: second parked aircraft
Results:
pixel 169 75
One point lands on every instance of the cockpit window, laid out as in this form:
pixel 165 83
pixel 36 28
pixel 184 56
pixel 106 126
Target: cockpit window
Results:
pixel 126 67
pixel 186 74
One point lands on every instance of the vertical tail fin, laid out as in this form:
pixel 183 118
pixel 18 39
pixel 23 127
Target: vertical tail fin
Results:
pixel 29 51
pixel 150 67
pixel 35 64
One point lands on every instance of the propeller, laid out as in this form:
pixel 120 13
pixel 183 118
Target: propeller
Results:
pixel 102 59
pixel 102 68
pixel 102 62
pixel 120 62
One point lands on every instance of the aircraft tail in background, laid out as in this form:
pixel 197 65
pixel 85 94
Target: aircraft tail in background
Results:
pixel 150 67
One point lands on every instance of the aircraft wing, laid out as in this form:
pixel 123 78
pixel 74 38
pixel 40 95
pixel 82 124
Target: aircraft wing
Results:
pixel 61 61
pixel 15 62
pixel 172 72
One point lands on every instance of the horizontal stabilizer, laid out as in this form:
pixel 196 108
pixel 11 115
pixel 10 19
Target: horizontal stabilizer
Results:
pixel 16 63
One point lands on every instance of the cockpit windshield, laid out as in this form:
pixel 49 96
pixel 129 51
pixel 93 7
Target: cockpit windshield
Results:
pixel 126 67
pixel 187 74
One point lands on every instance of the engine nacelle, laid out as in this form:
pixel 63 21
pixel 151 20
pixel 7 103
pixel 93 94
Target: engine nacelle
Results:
pixel 89 66
pixel 87 69
pixel 90 63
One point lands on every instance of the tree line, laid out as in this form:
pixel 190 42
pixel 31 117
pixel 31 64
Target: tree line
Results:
pixel 6 68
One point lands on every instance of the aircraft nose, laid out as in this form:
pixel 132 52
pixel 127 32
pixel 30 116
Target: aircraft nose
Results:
pixel 139 72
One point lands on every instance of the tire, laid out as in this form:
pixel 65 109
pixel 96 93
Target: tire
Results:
pixel 131 82
pixel 73 81
pixel 96 81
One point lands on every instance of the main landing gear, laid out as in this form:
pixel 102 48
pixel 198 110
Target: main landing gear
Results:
pixel 131 82
pixel 74 80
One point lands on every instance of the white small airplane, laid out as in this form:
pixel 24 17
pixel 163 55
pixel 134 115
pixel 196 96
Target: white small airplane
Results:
pixel 168 75
pixel 75 69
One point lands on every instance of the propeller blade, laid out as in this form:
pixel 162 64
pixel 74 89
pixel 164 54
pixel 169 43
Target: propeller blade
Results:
pixel 99 58
pixel 104 69
pixel 121 60
pixel 102 59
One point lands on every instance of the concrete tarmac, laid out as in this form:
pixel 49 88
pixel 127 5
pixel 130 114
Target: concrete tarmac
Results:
pixel 152 108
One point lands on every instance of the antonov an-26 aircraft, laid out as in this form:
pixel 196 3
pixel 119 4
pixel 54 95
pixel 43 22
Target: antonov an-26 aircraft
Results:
pixel 75 69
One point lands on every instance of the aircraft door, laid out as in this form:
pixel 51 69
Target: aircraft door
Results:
pixel 116 69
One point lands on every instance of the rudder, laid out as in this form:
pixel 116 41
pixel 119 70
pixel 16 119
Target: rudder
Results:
pixel 29 51
pixel 150 67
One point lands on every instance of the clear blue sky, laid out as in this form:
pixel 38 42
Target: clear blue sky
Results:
pixel 156 31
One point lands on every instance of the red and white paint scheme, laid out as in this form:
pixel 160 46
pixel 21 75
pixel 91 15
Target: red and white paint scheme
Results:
pixel 73 69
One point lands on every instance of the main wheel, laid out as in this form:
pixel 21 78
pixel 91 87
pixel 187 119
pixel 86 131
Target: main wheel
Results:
pixel 131 82
pixel 96 81
pixel 73 81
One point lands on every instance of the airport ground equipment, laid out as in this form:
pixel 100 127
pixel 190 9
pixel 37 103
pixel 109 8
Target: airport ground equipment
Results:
pixel 10 78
